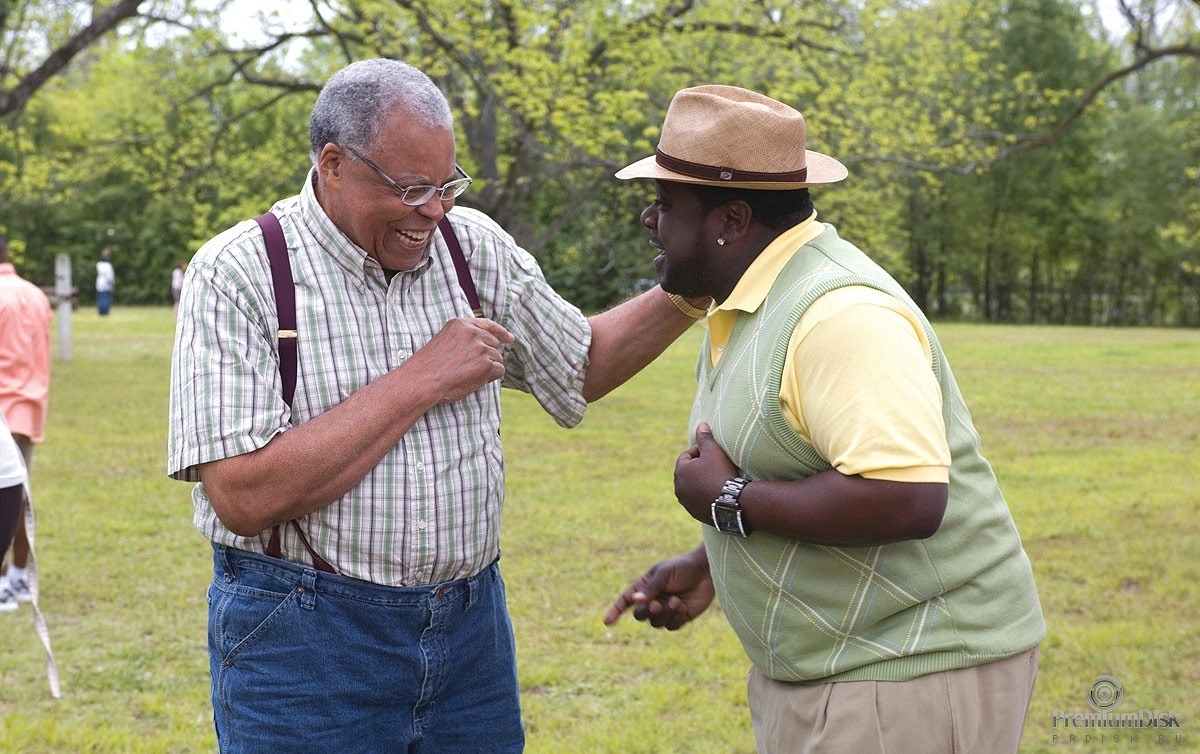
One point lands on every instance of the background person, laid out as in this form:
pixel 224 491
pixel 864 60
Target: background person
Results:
pixel 106 279
pixel 177 284
pixel 856 537
pixel 388 466
pixel 25 316
pixel 12 497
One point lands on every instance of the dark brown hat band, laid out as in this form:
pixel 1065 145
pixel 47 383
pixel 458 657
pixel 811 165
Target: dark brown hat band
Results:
pixel 725 175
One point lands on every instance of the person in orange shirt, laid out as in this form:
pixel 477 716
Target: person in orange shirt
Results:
pixel 24 392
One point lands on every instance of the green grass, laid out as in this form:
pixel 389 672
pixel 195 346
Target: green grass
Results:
pixel 1094 433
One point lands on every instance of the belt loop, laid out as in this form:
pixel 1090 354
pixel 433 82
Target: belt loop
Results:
pixel 308 589
pixel 222 555
pixel 473 589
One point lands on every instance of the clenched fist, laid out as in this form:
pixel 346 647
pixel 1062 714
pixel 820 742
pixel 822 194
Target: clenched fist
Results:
pixel 464 356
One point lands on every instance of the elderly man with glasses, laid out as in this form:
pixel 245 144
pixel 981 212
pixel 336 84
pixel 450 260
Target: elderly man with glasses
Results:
pixel 356 601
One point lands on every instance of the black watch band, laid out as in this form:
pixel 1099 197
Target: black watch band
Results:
pixel 726 511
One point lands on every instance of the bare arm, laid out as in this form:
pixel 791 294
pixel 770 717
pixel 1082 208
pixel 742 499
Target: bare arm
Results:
pixel 628 337
pixel 314 464
pixel 829 508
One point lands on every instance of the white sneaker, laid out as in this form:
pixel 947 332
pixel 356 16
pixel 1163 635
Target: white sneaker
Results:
pixel 20 589
pixel 8 598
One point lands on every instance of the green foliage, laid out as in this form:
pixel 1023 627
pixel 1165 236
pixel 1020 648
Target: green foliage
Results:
pixel 1065 233
pixel 151 177
pixel 552 98
pixel 1092 432
pixel 930 104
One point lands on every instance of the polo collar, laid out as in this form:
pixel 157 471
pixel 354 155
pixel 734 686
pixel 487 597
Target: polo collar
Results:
pixel 751 290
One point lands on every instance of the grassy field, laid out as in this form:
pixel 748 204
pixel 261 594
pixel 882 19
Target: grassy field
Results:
pixel 1094 433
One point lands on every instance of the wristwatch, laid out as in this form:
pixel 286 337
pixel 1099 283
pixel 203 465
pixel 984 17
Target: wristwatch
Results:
pixel 726 511
pixel 686 306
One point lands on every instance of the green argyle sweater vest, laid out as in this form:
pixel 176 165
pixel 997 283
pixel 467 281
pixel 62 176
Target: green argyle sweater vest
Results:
pixel 812 613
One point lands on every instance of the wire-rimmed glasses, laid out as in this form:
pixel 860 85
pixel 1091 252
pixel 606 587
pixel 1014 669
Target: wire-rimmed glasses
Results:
pixel 415 196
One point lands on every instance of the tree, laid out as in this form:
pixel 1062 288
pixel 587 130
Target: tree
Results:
pixel 551 98
pixel 947 112
pixel 42 39
pixel 151 176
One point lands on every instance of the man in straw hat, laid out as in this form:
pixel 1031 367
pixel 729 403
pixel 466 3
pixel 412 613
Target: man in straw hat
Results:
pixel 857 539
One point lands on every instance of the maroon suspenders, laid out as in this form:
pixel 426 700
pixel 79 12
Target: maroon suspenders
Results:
pixel 285 303
pixel 460 265
pixel 285 300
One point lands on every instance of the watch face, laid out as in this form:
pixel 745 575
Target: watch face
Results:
pixel 727 518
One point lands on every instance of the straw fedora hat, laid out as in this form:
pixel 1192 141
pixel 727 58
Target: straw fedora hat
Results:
pixel 728 136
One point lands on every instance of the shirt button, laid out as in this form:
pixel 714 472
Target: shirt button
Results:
pixel 422 524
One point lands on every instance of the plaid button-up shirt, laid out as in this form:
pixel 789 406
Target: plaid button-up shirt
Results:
pixel 430 510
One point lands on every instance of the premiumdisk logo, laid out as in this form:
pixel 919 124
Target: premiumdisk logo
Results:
pixel 1106 694
pixel 1106 724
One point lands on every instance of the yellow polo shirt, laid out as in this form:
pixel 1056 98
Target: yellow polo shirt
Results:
pixel 857 382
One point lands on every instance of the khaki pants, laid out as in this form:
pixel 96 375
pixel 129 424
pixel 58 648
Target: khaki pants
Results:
pixel 979 710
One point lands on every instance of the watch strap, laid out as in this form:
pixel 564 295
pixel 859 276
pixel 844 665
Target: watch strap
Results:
pixel 685 306
pixel 732 489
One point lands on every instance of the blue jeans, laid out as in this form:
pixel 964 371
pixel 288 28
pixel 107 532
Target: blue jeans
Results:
pixel 305 661
pixel 104 301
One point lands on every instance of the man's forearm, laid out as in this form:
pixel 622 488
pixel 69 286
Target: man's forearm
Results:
pixel 310 466
pixel 628 337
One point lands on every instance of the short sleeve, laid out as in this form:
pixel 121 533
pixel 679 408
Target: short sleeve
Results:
pixel 860 387
pixel 226 395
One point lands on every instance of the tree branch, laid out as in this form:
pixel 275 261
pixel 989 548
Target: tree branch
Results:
pixel 14 99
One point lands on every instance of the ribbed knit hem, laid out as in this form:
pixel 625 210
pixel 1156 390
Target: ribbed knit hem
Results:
pixel 913 666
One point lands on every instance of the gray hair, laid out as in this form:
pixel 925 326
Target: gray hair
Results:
pixel 355 100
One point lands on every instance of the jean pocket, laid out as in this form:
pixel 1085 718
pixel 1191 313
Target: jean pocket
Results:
pixel 244 613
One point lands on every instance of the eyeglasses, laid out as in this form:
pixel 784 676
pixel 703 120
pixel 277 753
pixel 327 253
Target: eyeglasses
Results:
pixel 415 196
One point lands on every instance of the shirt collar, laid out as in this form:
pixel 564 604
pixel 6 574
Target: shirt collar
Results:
pixel 751 290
